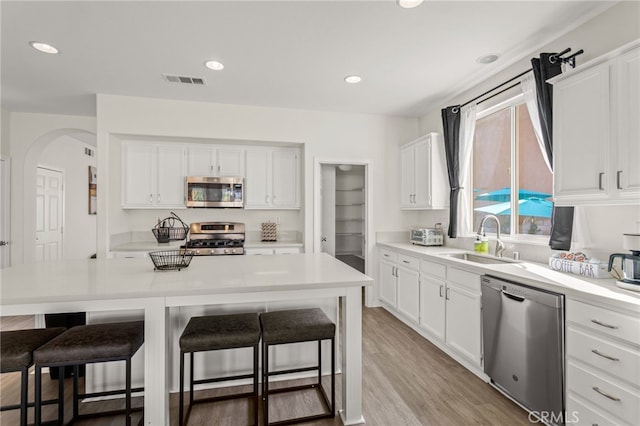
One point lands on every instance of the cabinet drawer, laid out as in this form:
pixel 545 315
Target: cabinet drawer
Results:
pixel 387 255
pixel 607 394
pixel 604 320
pixel 612 358
pixel 464 278
pixel 580 412
pixel 434 269
pixel 408 261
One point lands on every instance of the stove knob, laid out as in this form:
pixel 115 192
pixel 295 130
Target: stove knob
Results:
pixel 233 251
pixel 213 251
pixel 197 252
pixel 226 251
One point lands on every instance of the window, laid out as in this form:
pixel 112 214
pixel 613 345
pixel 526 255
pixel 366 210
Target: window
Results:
pixel 510 177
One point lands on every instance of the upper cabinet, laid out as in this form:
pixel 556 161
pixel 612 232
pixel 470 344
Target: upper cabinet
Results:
pixel 153 175
pixel 596 131
pixel 272 178
pixel 423 180
pixel 207 160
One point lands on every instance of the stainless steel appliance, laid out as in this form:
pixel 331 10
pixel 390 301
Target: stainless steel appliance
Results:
pixel 523 345
pixel 207 191
pixel 630 263
pixel 427 236
pixel 215 238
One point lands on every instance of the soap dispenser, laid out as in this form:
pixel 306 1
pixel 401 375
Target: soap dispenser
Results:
pixel 481 244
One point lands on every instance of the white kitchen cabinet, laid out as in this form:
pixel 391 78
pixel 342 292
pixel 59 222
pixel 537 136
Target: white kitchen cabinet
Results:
pixel 423 180
pixel 153 175
pixel 432 305
pixel 388 283
pixel 463 321
pixel 272 178
pixel 596 131
pixel 208 160
pixel 408 287
pixel 603 364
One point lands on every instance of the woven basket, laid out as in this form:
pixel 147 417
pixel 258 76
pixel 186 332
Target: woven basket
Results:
pixel 269 231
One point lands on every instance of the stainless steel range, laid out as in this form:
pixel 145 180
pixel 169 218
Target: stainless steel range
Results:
pixel 216 238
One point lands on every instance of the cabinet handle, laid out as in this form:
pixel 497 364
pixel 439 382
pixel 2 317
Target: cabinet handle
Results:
pixel 614 327
pixel 405 261
pixel 595 351
pixel 218 168
pixel 446 294
pixel 600 176
pixel 441 291
pixel 606 395
pixel 151 198
pixel 618 176
pixel 266 199
pixel 211 168
pixel 158 197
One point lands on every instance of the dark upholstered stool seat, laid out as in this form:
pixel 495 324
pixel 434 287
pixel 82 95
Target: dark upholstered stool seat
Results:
pixel 300 325
pixel 16 354
pixel 87 344
pixel 16 347
pixel 216 332
pixel 296 326
pixel 92 343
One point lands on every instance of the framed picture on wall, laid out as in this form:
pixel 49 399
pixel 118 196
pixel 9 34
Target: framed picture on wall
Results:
pixel 93 196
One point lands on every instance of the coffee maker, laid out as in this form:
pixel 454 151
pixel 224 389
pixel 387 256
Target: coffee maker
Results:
pixel 630 263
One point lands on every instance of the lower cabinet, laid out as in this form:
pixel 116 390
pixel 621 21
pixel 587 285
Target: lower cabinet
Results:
pixel 432 305
pixel 388 283
pixel 463 322
pixel 408 282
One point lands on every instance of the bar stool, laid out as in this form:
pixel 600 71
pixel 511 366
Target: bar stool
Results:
pixel 16 354
pixel 88 344
pixel 295 326
pixel 217 332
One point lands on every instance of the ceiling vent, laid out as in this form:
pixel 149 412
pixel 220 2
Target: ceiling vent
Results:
pixel 181 79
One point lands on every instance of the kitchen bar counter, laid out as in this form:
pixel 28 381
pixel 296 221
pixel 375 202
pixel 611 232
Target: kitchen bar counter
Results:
pixel 123 284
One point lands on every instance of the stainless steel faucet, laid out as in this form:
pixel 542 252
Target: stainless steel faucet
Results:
pixel 500 247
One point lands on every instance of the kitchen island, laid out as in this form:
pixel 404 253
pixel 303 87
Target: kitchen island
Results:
pixel 131 284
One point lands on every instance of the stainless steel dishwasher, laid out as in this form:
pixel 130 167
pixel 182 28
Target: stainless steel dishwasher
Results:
pixel 523 344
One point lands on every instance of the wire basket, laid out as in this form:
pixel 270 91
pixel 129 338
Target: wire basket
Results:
pixel 166 260
pixel 171 228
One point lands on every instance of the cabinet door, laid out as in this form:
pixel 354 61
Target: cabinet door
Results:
pixel 408 285
pixel 171 176
pixel 200 161
pixel 230 162
pixel 256 183
pixel 286 179
pixel 432 305
pixel 138 168
pixel 388 283
pixel 627 171
pixel 581 135
pixel 463 322
pixel 407 177
pixel 422 175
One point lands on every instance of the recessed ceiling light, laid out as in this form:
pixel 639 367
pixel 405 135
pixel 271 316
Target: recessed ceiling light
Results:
pixel 487 59
pixel 214 65
pixel 409 4
pixel 353 79
pixel 43 47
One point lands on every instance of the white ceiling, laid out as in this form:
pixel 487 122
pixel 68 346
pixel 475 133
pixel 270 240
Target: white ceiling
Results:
pixel 291 54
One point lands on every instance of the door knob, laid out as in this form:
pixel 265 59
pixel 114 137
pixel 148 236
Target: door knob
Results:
pixel 4 243
pixel 323 239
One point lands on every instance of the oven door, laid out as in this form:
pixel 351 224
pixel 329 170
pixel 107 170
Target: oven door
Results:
pixel 205 191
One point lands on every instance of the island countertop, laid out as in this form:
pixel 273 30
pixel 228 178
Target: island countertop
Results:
pixel 97 279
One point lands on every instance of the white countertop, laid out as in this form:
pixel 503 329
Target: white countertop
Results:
pixel 602 291
pixel 100 279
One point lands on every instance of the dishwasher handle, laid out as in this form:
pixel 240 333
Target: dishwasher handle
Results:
pixel 513 296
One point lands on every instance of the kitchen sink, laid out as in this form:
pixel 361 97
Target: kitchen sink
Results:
pixel 469 257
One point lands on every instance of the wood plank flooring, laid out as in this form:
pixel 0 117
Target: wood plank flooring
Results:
pixel 406 381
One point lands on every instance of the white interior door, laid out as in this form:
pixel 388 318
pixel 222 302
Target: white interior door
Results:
pixel 5 225
pixel 49 214
pixel 328 209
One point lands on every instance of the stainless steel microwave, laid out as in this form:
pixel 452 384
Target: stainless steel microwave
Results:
pixel 220 192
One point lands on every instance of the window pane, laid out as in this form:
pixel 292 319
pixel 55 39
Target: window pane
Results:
pixel 491 164
pixel 535 180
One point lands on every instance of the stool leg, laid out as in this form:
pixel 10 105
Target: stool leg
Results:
pixel 61 395
pixel 191 375
pixel 24 393
pixel 76 372
pixel 38 396
pixel 181 406
pixel 128 391
pixel 255 384
pixel 265 383
pixel 333 377
pixel 319 363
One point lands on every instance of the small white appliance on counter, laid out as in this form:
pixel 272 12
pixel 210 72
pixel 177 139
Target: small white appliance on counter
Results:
pixel 427 236
pixel 630 263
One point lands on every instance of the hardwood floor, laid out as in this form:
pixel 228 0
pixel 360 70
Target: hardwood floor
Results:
pixel 406 381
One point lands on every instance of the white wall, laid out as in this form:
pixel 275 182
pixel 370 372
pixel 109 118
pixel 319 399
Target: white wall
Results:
pixel 67 154
pixel 615 27
pixel 324 135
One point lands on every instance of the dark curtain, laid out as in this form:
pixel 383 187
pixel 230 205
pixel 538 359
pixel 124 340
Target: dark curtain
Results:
pixel 451 127
pixel 545 68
